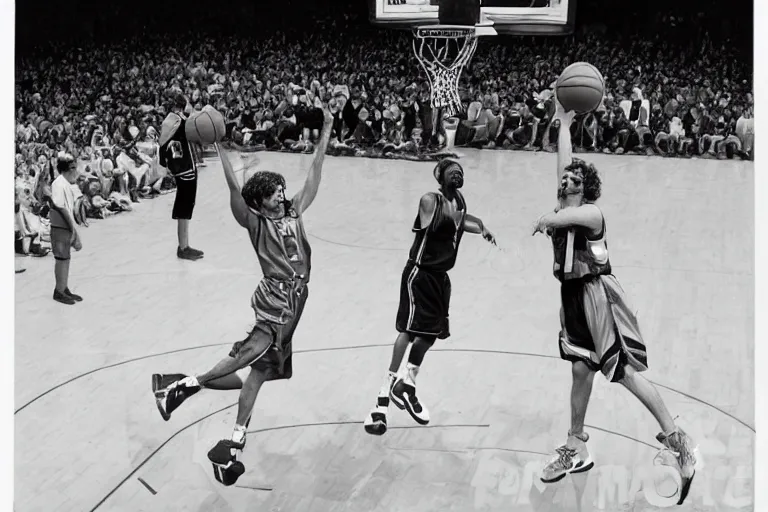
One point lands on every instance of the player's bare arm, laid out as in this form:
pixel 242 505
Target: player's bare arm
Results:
pixel 475 225
pixel 236 202
pixel 304 198
pixel 427 206
pixel 564 147
pixel 585 216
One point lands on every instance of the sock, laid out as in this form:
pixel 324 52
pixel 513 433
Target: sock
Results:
pixel 576 439
pixel 190 382
pixel 389 380
pixel 411 371
pixel 238 434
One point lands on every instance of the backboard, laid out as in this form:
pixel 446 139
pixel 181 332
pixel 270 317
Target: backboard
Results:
pixel 506 16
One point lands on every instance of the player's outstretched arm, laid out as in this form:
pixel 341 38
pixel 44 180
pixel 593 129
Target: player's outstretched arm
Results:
pixel 304 198
pixel 564 146
pixel 475 225
pixel 236 201
pixel 586 216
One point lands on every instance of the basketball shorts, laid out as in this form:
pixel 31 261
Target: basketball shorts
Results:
pixel 186 195
pixel 273 341
pixel 599 328
pixel 425 297
pixel 61 243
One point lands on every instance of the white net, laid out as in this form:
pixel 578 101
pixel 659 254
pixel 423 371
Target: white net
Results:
pixel 443 53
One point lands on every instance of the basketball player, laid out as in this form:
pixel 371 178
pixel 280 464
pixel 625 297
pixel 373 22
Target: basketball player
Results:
pixel 599 330
pixel 176 155
pixel 425 291
pixel 277 233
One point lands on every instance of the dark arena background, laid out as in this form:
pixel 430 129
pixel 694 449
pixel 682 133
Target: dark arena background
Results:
pixel 673 141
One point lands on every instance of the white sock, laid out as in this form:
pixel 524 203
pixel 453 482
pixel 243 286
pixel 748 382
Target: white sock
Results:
pixel 238 433
pixel 190 382
pixel 411 371
pixel 387 385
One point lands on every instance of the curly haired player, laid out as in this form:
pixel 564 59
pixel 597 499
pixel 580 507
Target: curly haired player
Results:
pixel 425 291
pixel 277 233
pixel 599 330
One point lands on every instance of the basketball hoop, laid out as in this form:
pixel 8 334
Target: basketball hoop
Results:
pixel 444 51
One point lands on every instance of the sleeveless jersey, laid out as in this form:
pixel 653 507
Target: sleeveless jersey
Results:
pixel 284 255
pixel 282 246
pixel 181 165
pixel 577 256
pixel 435 247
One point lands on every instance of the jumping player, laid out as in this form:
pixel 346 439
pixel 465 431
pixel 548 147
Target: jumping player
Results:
pixel 425 291
pixel 599 330
pixel 276 229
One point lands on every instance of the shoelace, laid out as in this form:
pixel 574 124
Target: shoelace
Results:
pixel 566 456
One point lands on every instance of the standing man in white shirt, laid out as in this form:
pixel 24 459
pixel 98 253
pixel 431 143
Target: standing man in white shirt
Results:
pixel 64 234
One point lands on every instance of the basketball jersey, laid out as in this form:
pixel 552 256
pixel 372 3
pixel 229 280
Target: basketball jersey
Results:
pixel 282 246
pixel 178 159
pixel 436 246
pixel 284 255
pixel 577 256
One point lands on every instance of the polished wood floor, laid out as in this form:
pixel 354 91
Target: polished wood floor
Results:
pixel 88 435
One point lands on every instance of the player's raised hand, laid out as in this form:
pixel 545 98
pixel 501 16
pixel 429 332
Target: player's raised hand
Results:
pixel 565 117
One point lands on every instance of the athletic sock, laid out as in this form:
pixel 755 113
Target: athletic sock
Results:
pixel 411 371
pixel 388 381
pixel 190 382
pixel 238 434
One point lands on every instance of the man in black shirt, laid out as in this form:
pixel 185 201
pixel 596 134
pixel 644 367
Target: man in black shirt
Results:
pixel 176 156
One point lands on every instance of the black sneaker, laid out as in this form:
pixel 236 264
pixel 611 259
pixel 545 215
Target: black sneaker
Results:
pixel 226 468
pixel 73 296
pixel 376 422
pixel 404 397
pixel 196 252
pixel 63 298
pixel 189 253
pixel 169 395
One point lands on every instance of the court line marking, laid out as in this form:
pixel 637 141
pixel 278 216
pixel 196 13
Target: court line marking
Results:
pixel 281 427
pixel 105 498
pixel 336 423
pixel 354 347
pixel 254 488
pixel 149 488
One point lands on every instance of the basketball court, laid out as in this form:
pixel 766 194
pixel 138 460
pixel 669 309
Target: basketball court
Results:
pixel 89 437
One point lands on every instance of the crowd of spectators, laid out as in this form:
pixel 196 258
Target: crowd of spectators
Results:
pixel 685 97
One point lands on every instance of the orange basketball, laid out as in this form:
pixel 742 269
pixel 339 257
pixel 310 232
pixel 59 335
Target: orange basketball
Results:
pixel 580 87
pixel 205 127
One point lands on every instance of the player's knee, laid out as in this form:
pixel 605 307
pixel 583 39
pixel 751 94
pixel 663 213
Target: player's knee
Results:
pixel 581 371
pixel 426 341
pixel 627 374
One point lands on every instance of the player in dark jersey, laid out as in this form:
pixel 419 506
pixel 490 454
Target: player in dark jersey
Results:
pixel 425 291
pixel 277 233
pixel 176 154
pixel 599 330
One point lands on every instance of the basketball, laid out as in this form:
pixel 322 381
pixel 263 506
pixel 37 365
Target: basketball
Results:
pixel 205 127
pixel 580 88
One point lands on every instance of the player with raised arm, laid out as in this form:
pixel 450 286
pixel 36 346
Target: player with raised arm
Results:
pixel 276 229
pixel 599 331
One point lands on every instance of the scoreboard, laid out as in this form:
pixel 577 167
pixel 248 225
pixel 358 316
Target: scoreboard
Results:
pixel 507 16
